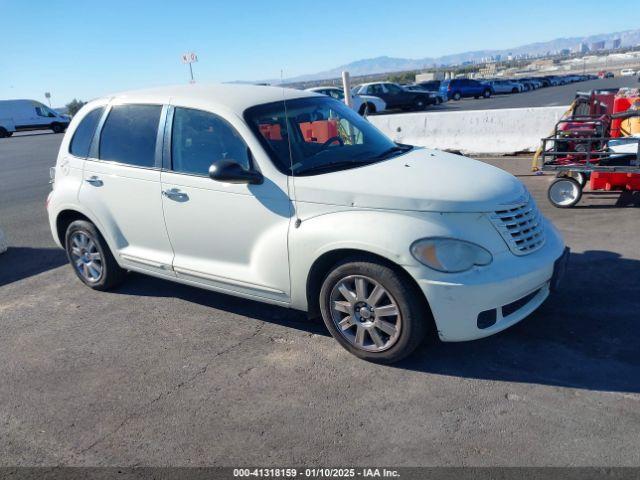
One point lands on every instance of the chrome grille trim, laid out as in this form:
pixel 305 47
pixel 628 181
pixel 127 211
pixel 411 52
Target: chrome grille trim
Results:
pixel 520 225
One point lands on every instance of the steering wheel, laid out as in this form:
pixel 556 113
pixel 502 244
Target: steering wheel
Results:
pixel 333 140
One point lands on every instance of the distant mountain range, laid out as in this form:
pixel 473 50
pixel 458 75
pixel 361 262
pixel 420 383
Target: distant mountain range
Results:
pixel 371 66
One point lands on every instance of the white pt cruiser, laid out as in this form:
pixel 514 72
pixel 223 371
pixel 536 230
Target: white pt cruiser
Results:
pixel 291 198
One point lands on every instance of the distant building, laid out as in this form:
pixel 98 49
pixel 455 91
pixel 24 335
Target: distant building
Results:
pixel 582 48
pixel 617 43
pixel 564 52
pixel 597 46
pixel 428 76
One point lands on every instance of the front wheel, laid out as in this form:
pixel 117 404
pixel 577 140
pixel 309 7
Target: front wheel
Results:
pixel 90 257
pixel 486 93
pixel 457 96
pixel 57 128
pixel 564 192
pixel 372 311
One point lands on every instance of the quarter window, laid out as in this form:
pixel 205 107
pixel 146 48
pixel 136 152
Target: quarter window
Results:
pixel 200 138
pixel 129 135
pixel 81 141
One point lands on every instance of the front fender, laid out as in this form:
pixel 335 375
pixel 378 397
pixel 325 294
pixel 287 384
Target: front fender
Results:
pixel 388 234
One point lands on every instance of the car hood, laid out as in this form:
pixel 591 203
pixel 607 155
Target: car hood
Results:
pixel 420 180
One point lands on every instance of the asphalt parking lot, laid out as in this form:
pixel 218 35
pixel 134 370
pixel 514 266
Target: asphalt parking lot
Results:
pixel 157 373
pixel 543 97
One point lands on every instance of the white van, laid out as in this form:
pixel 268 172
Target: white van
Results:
pixel 292 198
pixel 20 115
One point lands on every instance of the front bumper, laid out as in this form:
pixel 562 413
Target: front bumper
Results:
pixel 518 283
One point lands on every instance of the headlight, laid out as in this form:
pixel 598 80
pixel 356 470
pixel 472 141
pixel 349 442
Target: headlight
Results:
pixel 449 255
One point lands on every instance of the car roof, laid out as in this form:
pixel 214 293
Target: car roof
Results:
pixel 233 97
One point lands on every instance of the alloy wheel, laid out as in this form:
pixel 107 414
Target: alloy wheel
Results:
pixel 86 257
pixel 365 313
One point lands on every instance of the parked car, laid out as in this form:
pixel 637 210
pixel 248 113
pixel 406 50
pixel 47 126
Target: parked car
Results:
pixel 529 84
pixel 627 72
pixel 463 87
pixel 195 184
pixel 397 97
pixel 21 115
pixel 360 103
pixel 430 87
pixel 505 86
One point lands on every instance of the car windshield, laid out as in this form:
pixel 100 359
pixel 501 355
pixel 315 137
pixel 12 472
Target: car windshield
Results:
pixel 309 136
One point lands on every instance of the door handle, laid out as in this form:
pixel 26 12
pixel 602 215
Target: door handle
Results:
pixel 95 181
pixel 175 194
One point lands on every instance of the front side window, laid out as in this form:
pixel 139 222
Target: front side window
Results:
pixel 43 111
pixel 81 141
pixel 200 138
pixel 315 135
pixel 393 89
pixel 129 135
pixel 375 89
pixel 336 93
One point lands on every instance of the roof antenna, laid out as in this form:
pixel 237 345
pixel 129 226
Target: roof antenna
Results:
pixel 288 131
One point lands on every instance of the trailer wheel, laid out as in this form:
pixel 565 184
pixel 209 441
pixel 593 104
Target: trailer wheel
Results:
pixel 580 177
pixel 564 192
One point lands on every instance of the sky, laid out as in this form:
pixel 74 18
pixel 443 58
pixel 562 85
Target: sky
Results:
pixel 84 49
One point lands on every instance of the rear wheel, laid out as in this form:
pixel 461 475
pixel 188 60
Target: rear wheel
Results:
pixel 4 132
pixel 564 192
pixel 514 90
pixel 486 93
pixel 457 96
pixel 90 257
pixel 372 311
pixel 367 108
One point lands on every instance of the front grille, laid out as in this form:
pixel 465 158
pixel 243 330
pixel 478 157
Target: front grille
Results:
pixel 520 226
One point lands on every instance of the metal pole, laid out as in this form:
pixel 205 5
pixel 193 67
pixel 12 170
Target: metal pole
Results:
pixel 191 72
pixel 346 85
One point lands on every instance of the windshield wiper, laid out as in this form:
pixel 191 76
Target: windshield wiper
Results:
pixel 390 151
pixel 329 166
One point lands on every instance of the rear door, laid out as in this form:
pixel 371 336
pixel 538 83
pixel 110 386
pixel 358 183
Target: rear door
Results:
pixel 121 186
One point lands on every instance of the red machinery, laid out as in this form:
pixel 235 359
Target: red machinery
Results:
pixel 598 142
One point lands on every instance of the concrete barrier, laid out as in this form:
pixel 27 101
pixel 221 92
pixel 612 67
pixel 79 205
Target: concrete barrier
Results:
pixel 3 243
pixel 499 131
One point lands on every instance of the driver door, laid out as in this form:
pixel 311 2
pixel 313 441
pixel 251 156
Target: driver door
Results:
pixel 230 237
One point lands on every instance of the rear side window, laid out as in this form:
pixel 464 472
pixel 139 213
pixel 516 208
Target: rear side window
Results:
pixel 129 135
pixel 81 141
pixel 200 138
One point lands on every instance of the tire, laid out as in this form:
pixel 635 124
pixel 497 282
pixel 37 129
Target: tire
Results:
pixel 368 108
pixel 383 339
pixel 486 94
pixel 515 90
pixel 581 177
pixel 57 128
pixel 9 134
pixel 564 192
pixel 4 132
pixel 420 103
pixel 83 241
pixel 456 96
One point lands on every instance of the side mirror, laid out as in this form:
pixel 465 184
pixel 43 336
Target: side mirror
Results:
pixel 230 171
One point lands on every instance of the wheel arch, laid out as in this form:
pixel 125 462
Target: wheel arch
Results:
pixel 324 263
pixel 64 218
